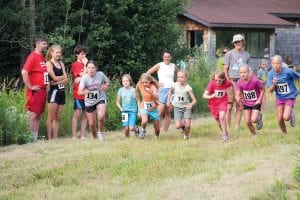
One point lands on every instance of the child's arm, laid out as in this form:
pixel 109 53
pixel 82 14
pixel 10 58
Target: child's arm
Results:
pixel 238 96
pixel 194 100
pixel 207 95
pixel 262 93
pixel 118 103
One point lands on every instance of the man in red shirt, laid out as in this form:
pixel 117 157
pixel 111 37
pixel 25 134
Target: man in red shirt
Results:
pixel 35 77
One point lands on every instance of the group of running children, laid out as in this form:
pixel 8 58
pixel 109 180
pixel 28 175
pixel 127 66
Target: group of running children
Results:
pixel 142 101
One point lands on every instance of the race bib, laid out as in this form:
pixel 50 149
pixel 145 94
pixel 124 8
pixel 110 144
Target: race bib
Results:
pixel 124 117
pixel 93 95
pixel 46 78
pixel 179 99
pixel 219 93
pixel 250 95
pixel 283 88
pixel 61 86
pixel 148 105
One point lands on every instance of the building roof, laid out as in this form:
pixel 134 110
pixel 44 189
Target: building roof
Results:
pixel 243 13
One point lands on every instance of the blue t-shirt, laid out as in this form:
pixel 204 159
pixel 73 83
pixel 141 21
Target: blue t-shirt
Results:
pixel 285 87
pixel 128 101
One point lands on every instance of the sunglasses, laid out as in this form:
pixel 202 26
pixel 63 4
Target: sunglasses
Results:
pixel 238 41
pixel 224 52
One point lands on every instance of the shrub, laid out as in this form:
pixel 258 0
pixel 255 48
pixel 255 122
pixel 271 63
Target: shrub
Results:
pixel 13 119
pixel 199 67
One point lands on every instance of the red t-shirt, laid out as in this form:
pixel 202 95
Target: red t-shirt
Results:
pixel 77 68
pixel 219 91
pixel 36 67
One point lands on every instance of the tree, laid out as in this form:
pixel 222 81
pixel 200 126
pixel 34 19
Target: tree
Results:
pixel 122 35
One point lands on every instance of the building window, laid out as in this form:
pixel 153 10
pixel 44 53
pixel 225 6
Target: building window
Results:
pixel 195 38
pixel 256 41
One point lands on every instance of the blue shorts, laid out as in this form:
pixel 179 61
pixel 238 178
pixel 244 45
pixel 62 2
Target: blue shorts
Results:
pixel 129 118
pixel 152 115
pixel 163 95
pixel 78 104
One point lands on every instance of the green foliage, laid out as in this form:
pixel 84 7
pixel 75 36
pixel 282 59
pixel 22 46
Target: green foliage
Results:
pixel 124 36
pixel 199 68
pixel 113 115
pixel 13 119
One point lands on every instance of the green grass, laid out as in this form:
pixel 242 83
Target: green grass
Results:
pixel 265 166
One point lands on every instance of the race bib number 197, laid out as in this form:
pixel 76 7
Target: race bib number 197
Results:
pixel 283 88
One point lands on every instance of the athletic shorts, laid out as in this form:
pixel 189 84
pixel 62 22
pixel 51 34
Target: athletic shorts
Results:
pixel 78 104
pixel 152 115
pixel 163 95
pixel 57 96
pixel 182 113
pixel 215 110
pixel 255 107
pixel 129 118
pixel 36 100
pixel 285 102
pixel 92 108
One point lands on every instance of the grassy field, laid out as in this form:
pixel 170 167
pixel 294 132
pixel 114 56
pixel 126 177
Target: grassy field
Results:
pixel 247 167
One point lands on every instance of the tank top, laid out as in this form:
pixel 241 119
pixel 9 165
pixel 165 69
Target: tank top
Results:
pixel 57 72
pixel 166 74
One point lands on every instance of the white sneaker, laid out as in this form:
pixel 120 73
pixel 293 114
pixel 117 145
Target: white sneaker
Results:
pixel 142 134
pixel 293 118
pixel 224 138
pixel 100 136
pixel 186 137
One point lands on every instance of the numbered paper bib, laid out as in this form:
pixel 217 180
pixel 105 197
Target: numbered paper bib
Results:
pixel 124 117
pixel 179 99
pixel 46 78
pixel 283 88
pixel 148 105
pixel 61 86
pixel 250 95
pixel 93 95
pixel 219 93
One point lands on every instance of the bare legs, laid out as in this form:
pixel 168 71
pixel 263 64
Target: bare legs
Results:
pixel 100 109
pixel 283 114
pixel 164 112
pixel 53 120
pixel 83 125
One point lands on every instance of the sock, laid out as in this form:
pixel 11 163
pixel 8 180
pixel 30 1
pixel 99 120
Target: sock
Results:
pixel 35 136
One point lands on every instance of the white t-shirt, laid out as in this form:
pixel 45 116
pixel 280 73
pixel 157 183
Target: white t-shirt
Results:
pixel 166 74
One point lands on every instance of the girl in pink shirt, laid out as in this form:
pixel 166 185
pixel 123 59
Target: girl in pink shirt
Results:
pixel 217 100
pixel 250 92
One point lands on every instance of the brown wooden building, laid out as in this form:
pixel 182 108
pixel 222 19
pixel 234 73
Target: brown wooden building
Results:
pixel 271 24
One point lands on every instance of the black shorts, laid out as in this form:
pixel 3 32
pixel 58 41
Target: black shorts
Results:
pixel 90 109
pixel 255 107
pixel 56 96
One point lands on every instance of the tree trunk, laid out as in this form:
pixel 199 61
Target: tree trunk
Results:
pixel 23 51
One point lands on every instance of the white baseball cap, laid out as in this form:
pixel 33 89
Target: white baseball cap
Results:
pixel 238 37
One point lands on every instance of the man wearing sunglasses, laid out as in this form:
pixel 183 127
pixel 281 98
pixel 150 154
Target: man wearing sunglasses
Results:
pixel 232 62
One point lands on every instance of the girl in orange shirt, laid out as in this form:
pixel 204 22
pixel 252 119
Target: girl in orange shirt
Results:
pixel 148 86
